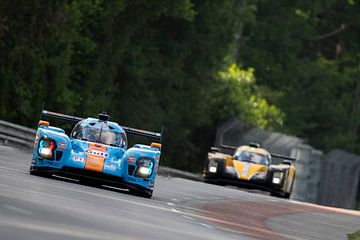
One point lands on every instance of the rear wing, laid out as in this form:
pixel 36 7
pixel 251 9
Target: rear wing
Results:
pixel 144 133
pixel 128 130
pixel 282 157
pixel 228 147
pixel 60 116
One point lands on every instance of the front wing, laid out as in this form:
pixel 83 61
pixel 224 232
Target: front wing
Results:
pixel 101 178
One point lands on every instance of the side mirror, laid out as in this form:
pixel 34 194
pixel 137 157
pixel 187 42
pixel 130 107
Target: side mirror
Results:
pixel 254 145
pixel 44 123
pixel 287 162
pixel 214 149
pixel 156 145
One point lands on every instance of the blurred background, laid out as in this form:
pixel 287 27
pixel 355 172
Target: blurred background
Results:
pixel 187 65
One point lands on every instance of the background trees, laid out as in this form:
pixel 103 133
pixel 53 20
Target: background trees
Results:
pixel 154 63
pixel 307 51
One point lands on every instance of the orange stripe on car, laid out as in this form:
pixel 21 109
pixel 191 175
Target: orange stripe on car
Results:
pixel 96 155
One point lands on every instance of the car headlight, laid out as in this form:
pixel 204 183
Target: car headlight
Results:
pixel 46 148
pixel 213 166
pixel 144 167
pixel 277 177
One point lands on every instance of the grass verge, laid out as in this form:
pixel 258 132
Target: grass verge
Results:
pixel 354 236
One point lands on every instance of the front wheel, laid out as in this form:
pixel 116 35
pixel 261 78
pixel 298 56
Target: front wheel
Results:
pixel 214 182
pixel 39 173
pixel 280 194
pixel 89 182
pixel 141 193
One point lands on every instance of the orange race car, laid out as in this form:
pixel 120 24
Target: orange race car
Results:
pixel 251 166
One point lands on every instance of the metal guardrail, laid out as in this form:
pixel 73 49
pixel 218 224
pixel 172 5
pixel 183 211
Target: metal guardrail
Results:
pixel 171 172
pixel 16 135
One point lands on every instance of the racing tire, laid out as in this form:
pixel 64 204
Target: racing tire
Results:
pixel 143 193
pixel 280 194
pixel 40 174
pixel 274 194
pixel 286 195
pixel 214 182
pixel 89 182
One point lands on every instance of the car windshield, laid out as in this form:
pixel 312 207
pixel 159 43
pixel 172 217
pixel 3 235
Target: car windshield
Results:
pixel 100 135
pixel 253 157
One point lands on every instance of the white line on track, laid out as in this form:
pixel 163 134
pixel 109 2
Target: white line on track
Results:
pixel 206 225
pixel 17 209
pixel 12 163
pixel 187 213
pixel 60 229
pixel 174 210
pixel 187 217
pixel 13 170
pixel 151 205
pixel 309 221
pixel 74 231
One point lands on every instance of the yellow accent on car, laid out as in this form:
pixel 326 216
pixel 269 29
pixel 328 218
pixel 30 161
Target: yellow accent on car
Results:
pixel 247 170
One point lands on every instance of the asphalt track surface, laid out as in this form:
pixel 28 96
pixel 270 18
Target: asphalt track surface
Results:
pixel 33 207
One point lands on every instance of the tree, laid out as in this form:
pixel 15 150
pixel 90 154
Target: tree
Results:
pixel 308 51
pixel 237 95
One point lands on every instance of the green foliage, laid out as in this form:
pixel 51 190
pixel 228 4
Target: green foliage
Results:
pixel 354 236
pixel 147 63
pixel 237 95
pixel 154 63
pixel 309 52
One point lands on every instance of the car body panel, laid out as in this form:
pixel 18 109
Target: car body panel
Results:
pixel 80 156
pixel 226 169
pixel 247 170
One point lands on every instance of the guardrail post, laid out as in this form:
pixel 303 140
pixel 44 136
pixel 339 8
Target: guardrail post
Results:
pixel 308 173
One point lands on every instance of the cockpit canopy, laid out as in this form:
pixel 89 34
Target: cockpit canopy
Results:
pixel 252 157
pixel 99 133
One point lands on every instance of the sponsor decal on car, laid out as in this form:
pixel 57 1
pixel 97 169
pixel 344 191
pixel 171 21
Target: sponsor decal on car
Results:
pixel 132 179
pixel 52 163
pixel 36 139
pixel 110 166
pixel 131 159
pixel 157 162
pixel 96 153
pixel 78 159
pixel 62 145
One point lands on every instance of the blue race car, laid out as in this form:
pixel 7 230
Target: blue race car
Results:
pixel 96 150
